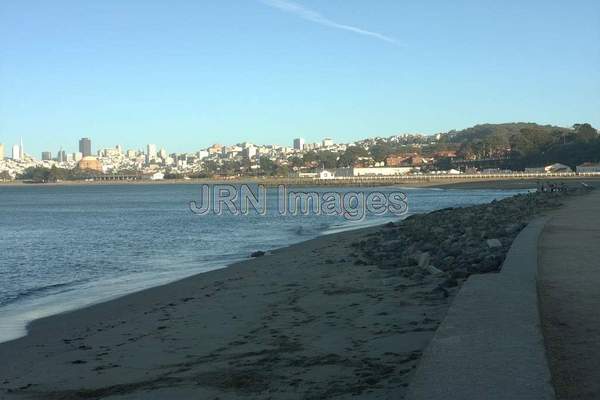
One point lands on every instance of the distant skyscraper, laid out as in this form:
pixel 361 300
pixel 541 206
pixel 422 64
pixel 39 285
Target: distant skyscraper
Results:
pixel 298 144
pixel 46 156
pixel 62 156
pixel 16 152
pixel 77 156
pixel 21 151
pixel 327 142
pixel 1 151
pixel 150 153
pixel 85 146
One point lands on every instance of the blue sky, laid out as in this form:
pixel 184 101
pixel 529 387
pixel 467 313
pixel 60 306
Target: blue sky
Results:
pixel 185 74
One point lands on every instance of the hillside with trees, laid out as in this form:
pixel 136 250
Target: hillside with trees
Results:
pixel 514 146
pixel 523 145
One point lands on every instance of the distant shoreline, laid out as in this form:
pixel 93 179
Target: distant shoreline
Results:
pixel 429 181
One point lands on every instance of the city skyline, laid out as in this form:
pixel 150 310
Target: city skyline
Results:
pixel 486 148
pixel 293 143
pixel 85 149
pixel 204 72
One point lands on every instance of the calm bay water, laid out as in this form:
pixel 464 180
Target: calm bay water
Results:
pixel 65 247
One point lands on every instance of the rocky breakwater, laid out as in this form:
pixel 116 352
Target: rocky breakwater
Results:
pixel 453 243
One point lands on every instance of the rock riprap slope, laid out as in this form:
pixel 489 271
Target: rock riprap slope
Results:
pixel 454 242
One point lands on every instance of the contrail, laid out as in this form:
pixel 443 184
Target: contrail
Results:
pixel 313 16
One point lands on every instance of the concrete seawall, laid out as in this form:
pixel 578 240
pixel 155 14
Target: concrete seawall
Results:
pixel 490 346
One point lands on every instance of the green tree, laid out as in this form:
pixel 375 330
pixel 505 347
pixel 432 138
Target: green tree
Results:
pixel 381 150
pixel 267 166
pixel 296 161
pixel 36 174
pixel 230 167
pixel 584 133
pixel 310 157
pixel 532 140
pixel 495 144
pixel 351 156
pixel 56 174
pixel 327 159
pixel 282 170
pixel 211 167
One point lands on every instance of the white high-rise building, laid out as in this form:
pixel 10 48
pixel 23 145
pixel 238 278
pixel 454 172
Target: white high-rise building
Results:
pixel 21 151
pixel 327 142
pixel 150 153
pixel 16 152
pixel 250 151
pixel 1 151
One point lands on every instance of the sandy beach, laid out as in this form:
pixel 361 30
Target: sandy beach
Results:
pixel 335 317
pixel 303 321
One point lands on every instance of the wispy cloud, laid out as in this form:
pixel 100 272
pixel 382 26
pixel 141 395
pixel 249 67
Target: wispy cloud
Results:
pixel 313 16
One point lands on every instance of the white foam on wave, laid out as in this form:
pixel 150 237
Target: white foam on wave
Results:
pixel 352 225
pixel 15 317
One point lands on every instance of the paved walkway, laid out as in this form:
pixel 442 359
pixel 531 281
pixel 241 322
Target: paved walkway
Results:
pixel 490 345
pixel 569 289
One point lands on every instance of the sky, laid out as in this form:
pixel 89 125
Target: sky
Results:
pixel 184 74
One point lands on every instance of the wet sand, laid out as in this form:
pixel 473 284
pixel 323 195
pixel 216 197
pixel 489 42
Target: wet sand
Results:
pixel 304 322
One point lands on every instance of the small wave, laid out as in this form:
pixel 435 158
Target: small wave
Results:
pixel 39 290
pixel 352 225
